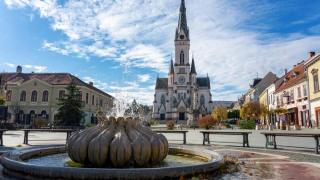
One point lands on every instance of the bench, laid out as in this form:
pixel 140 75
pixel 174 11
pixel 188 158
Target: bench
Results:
pixel 184 132
pixel 1 136
pixel 244 134
pixel 27 131
pixel 271 138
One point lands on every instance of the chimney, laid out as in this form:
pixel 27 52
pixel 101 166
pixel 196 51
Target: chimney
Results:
pixel 311 54
pixel 19 69
pixel 285 71
pixel 90 83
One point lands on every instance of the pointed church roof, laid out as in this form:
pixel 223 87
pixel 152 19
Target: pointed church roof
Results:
pixel 171 67
pixel 193 67
pixel 182 24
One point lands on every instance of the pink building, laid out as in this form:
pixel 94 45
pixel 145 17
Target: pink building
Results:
pixel 292 94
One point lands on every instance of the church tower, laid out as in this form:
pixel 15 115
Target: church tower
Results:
pixel 182 47
pixel 182 96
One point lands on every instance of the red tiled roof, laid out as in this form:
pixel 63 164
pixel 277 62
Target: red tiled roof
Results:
pixel 293 77
pixel 50 78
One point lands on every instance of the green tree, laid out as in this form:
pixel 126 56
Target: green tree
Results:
pixel 70 111
pixel 220 113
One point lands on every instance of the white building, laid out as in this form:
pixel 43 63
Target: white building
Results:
pixel 182 96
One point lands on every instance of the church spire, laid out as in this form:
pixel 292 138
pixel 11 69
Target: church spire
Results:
pixel 171 67
pixel 182 24
pixel 193 67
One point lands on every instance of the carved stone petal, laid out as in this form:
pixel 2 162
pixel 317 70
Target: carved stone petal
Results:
pixel 98 150
pixel 120 149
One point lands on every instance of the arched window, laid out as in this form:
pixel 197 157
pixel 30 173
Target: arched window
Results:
pixel 44 114
pixel 23 96
pixel 45 96
pixel 163 99
pixel 8 95
pixel 32 116
pixel 34 96
pixel 202 100
pixel 182 57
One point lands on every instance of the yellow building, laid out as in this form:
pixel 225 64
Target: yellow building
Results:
pixel 313 67
pixel 36 95
pixel 263 99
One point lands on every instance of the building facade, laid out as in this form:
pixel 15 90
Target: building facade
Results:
pixel 312 68
pixel 182 96
pixel 292 95
pixel 36 95
pixel 257 88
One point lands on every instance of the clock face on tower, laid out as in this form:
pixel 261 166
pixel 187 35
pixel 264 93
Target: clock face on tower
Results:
pixel 181 80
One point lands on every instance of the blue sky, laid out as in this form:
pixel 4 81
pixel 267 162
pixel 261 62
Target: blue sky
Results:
pixel 123 45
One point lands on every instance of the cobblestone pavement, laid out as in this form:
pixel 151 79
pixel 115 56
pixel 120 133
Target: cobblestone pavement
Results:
pixel 258 163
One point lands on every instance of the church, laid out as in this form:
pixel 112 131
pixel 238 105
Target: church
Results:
pixel 182 96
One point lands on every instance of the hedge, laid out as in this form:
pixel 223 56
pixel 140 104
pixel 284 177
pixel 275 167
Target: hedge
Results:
pixel 247 124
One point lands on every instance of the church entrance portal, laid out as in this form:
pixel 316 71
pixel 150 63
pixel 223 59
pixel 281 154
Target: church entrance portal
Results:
pixel 162 116
pixel 182 116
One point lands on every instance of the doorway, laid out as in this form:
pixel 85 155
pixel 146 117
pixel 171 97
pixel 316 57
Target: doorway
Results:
pixel 162 117
pixel 182 116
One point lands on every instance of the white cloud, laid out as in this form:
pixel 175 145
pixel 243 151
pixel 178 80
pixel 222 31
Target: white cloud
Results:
pixel 29 67
pixel 143 78
pixel 131 90
pixel 140 34
pixel 144 56
pixel 10 65
pixel 35 68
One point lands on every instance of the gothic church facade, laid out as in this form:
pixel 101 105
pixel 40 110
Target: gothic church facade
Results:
pixel 182 96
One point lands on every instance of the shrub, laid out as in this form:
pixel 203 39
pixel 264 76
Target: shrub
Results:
pixel 247 124
pixel 227 125
pixel 2 101
pixel 206 122
pixel 170 125
pixel 152 122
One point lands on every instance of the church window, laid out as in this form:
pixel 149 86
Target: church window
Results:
pixel 182 57
pixel 163 100
pixel 202 100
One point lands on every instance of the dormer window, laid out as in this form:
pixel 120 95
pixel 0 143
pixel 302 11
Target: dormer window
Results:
pixel 182 57
pixel 181 37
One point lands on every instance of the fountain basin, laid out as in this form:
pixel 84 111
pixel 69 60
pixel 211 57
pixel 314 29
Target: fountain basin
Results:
pixel 15 164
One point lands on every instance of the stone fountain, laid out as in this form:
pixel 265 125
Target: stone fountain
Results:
pixel 117 148
pixel 117 142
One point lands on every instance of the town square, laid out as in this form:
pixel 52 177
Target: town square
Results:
pixel 146 89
